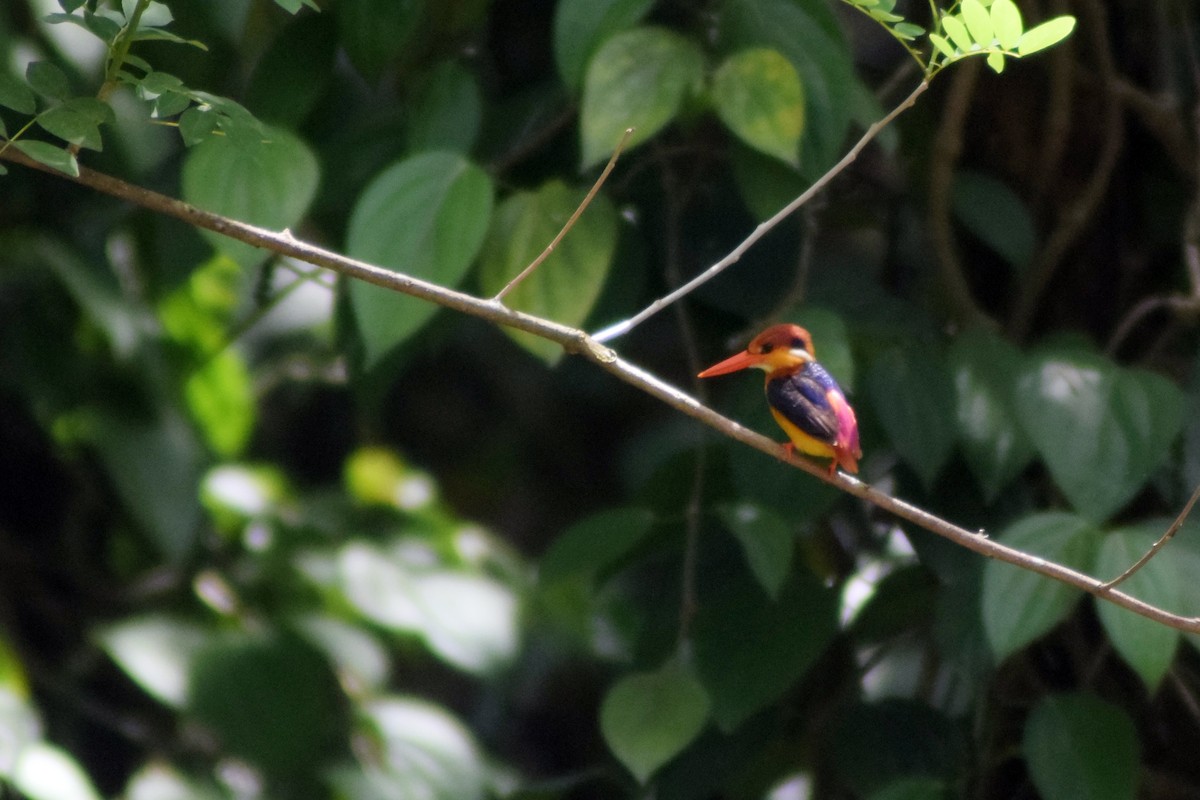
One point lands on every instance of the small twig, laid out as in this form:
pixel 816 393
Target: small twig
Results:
pixel 525 273
pixel 577 341
pixel 626 325
pixel 1162 540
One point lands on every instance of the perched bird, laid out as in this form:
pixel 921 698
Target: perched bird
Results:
pixel 804 399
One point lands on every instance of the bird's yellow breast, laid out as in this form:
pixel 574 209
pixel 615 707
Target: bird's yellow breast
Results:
pixel 803 442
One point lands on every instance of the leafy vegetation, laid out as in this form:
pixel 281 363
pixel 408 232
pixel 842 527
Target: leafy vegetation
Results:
pixel 270 534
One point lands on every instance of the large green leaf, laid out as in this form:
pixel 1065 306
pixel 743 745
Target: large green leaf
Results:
pixel 269 182
pixel 648 718
pixel 1019 605
pixel 425 216
pixel 637 79
pixel 985 369
pixel 1078 746
pixel 758 95
pixel 1147 646
pixel 580 26
pixel 914 399
pixel 750 649
pixel 1101 430
pixel 564 286
pixel 270 698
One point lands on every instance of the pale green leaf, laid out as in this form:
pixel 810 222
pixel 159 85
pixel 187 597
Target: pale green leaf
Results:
pixel 1007 23
pixel 565 286
pixel 957 32
pixel 46 772
pixel 155 651
pixel 758 95
pixel 995 60
pixel 944 46
pixel 648 718
pixel 978 22
pixel 1047 34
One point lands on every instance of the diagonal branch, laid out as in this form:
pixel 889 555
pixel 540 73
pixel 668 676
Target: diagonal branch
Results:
pixel 577 341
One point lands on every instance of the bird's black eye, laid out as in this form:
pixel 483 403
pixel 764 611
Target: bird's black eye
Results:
pixel 798 344
pixel 766 348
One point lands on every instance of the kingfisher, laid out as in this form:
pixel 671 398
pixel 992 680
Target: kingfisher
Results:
pixel 804 399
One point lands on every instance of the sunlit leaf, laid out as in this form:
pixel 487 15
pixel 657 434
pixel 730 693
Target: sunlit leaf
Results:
pixel 425 216
pixel 46 772
pixel 1020 605
pixel 1079 746
pixel 638 79
pixel 995 60
pixel 957 32
pixel 978 22
pixel 758 95
pixel 1007 23
pixel 648 718
pixel 220 396
pixel 1045 35
pixel 564 286
pixel 156 652
pixel 941 44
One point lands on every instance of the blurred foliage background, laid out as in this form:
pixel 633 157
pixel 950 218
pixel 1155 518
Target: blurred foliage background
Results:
pixel 266 534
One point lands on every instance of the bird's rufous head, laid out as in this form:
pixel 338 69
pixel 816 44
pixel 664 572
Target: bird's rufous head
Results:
pixel 778 348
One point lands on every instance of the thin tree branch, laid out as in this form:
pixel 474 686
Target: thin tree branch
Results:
pixel 579 342
pixel 1158 545
pixel 587 201
pixel 626 325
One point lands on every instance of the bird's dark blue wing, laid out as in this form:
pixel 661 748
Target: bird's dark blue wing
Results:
pixel 803 398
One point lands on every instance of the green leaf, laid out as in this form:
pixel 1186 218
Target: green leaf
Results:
pixel 978 22
pixel 376 33
pixel 269 182
pixel 648 718
pixel 1007 23
pixel 446 110
pixel 220 396
pixel 944 46
pixel 1079 746
pixel 907 30
pixel 580 26
pixel 48 80
pixel 1020 605
pixel 50 155
pixel 1100 429
pixel 156 652
pixel 766 540
pixel 996 215
pixel 758 95
pixel 1145 645
pixel 566 285
pixel 196 125
pixel 71 126
pixel 15 94
pixel 155 466
pixel 45 772
pixel 595 544
pixel 985 369
pixel 957 32
pixel 914 399
pixel 750 649
pixel 637 79
pixel 995 60
pixel 1047 34
pixel 270 698
pixel 425 216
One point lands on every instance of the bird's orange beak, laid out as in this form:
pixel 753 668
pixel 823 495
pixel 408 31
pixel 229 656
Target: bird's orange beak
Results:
pixel 742 360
